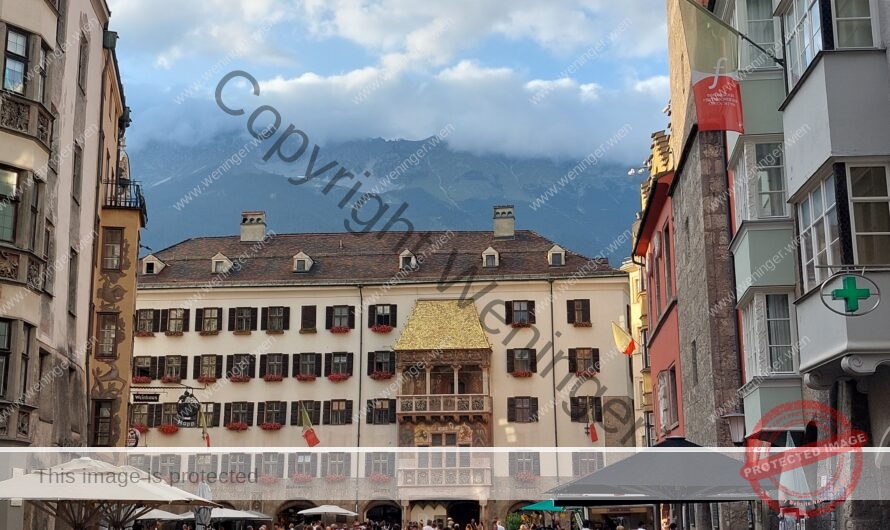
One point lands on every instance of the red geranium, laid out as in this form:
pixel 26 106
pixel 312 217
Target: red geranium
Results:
pixel 170 379
pixel 141 427
pixel 336 378
pixel 141 379
pixel 305 377
pixel 526 476
pixel 335 478
pixel 379 478
pixel 168 428
pixel 339 329
pixel 206 379
pixel 380 375
pixel 583 325
pixel 521 325
pixel 267 479
pixel 236 426
pixel 586 373
pixel 272 378
pixel 301 477
pixel 239 378
pixel 270 426
pixel 381 328
pixel 521 373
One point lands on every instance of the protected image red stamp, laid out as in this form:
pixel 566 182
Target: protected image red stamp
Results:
pixel 841 449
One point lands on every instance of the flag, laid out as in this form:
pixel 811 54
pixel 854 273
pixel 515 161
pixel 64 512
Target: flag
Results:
pixel 308 431
pixel 623 341
pixel 713 50
pixel 202 419
pixel 591 425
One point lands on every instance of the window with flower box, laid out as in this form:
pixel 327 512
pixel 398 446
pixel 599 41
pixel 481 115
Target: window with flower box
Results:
pixel 211 413
pixel 275 318
pixel 307 365
pixel 208 319
pixel 242 319
pixel 584 360
pixel 148 321
pixel 521 361
pixel 175 320
pixel 520 312
pixel 305 464
pixel 382 315
pixel 169 464
pixel 237 463
pixel 578 311
pixel 272 412
pixel 203 463
pixel 522 409
pixel 340 317
pixel 586 408
pixel 169 414
pixel 208 367
pixel 336 464
pixel 337 412
pixel 528 462
pixel 238 412
pixel 241 365
pixel 139 414
pixel 273 365
pixel 586 463
pixel 272 465
pixel 313 409
pixel 381 411
pixel 175 367
pixel 381 362
pixel 338 363
pixel 380 463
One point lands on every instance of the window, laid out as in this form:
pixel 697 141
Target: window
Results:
pixel 521 360
pixel 272 464
pixel 243 320
pixel 778 325
pixel 803 36
pixel 274 365
pixel 112 239
pixel 176 320
pixel 380 411
pixel 407 262
pixel 760 29
pixel 819 234
pixel 656 273
pixel 274 412
pixel 5 353
pixel 557 259
pixel 341 316
pixel 579 311
pixel 102 423
pixel 14 77
pixel 72 282
pixel 340 364
pixel 35 216
pixel 584 360
pixel 521 312
pixel 586 463
pixel 870 195
pixel 522 409
pixel 8 204
pixel 644 346
pixel 41 76
pixel 740 178
pixel 77 175
pixel 668 406
pixel 219 266
pixel 47 239
pixel 650 429
pixel 525 462
pixel 694 354
pixel 149 267
pixel 668 265
pixel 208 366
pixel 210 318
pixel 381 362
pixel 139 413
pixel 308 364
pixel 241 364
pixel 307 318
pixel 313 409
pixel 173 366
pixel 275 318
pixel 770 180
pixel 491 260
pixel 853 24
pixel 339 412
pixel 302 265
pixel 242 412
pixel 586 409
pixel 205 463
pixel 382 315
pixel 82 62
pixel 238 463
pixel 145 321
pixel 303 464
pixel 107 335
pixel 338 464
pixel 169 414
pixel 142 367
pixel 380 463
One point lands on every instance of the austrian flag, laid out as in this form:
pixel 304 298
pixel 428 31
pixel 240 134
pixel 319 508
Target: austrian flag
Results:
pixel 308 431
pixel 713 50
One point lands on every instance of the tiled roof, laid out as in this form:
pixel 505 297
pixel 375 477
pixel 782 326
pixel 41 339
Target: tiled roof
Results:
pixel 443 325
pixel 344 258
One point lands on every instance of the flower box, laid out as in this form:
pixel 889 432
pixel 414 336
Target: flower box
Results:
pixel 380 376
pixel 379 478
pixel 526 476
pixel 173 333
pixel 336 378
pixel 242 332
pixel 274 332
pixel 206 379
pixel 168 428
pixel 583 325
pixel 305 331
pixel 335 478
pixel 305 377
pixel 170 379
pixel 339 329
pixel 236 426
pixel 209 332
pixel 239 378
pixel 141 427
pixel 381 328
pixel 270 426
pixel 267 479
pixel 521 325
pixel 272 378
pixel 586 373
pixel 141 379
pixel 301 477
pixel 145 334
pixel 521 373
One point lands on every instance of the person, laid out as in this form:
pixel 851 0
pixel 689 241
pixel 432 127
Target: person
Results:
pixel 619 527
pixel 429 525
pixel 640 526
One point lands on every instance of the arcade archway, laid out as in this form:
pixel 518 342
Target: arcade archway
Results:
pixel 384 512
pixel 289 512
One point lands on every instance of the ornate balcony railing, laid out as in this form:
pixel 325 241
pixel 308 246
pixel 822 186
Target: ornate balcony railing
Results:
pixel 459 403
pixel 21 115
pixel 124 193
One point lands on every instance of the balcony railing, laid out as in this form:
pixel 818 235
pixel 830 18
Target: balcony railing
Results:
pixel 452 403
pixel 21 115
pixel 124 193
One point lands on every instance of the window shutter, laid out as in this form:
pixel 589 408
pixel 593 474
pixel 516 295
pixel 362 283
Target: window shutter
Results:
pixel 533 410
pixel 165 316
pixel 324 463
pixel 227 414
pixel 347 463
pixel 162 367
pixel 392 362
pixel 511 409
pixel 570 311
pixel 585 310
pixel 390 463
pixel 281 417
pixel 317 365
pixel 307 317
pixel 368 458
pixel 595 358
pixel 512 464
pixel 350 361
pixel 371 362
pixel 392 411
pixel 533 361
pixel 351 318
pixel 576 408
pixel 536 463
pixel 296 367
pixel 185 320
pixel 508 312
pixel 156 414
pixel 511 359
pixel 225 463
pixel 393 315
pixel 250 411
pixel 219 366
pixel 199 319
pixel 183 367
pixel 573 360
pixel 372 315
pixel 155 465
pixel 284 364
pixel 153 368
pixel 349 411
pixel 531 312
pixel 326 419
pixel 292 464
pixel 261 412
pixel 253 318
pixel 280 467
pixel 598 409
pixel 231 319
pixel 191 463
pixel 286 319
pixel 265 319
pixel 251 366
pixel 328 317
pixel 196 368
pixel 369 416
pixel 576 464
pixel 219 314
pixel 156 320
pixel 294 414
pixel 328 360
pixel 230 365
pixel 264 360
pixel 214 421
pixel 315 415
pixel 313 464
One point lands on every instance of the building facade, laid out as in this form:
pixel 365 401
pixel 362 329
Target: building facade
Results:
pixel 445 339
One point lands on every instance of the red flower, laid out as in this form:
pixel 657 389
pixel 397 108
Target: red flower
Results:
pixel 301 477
pixel 206 379
pixel 336 378
pixel 141 427
pixel 144 334
pixel 270 426
pixel 521 373
pixel 267 479
pixel 173 333
pixel 381 328
pixel 141 379
pixel 239 378
pixel 586 373
pixel 526 476
pixel 305 377
pixel 236 426
pixel 379 375
pixel 521 325
pixel 339 329
pixel 209 332
pixel 379 478
pixel 170 379
pixel 583 325
pixel 168 428
pixel 271 378
pixel 335 478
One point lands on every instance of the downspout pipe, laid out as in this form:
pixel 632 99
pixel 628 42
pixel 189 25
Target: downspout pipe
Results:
pixel 553 377
pixel 361 356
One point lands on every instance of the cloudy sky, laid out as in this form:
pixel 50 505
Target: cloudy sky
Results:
pixel 497 71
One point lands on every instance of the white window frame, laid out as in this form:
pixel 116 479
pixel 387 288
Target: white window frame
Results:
pixel 176 319
pixel 341 316
pixel 758 168
pixel 852 201
pixel 210 317
pixel 340 363
pixel 791 333
pixel 875 27
pixel 743 22
pixel 275 364
pixel 756 337
pixel 819 269
pixel 797 27
pixel 522 360
pixel 269 465
pixel 276 318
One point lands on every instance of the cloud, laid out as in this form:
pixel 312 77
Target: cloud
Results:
pixel 657 86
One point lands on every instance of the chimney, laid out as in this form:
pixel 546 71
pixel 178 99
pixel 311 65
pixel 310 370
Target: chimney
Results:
pixel 504 222
pixel 253 226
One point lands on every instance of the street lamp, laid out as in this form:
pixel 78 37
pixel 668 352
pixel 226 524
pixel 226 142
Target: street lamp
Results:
pixel 736 427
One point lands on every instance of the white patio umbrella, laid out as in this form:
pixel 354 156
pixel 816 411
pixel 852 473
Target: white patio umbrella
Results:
pixel 158 515
pixel 326 509
pixel 203 513
pixel 793 480
pixel 83 492
pixel 225 514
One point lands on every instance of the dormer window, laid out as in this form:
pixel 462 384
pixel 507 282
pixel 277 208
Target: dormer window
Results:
pixel 150 268
pixel 302 262
pixel 220 264
pixel 301 266
pixel 556 256
pixel 407 261
pixel 490 258
pixel 152 265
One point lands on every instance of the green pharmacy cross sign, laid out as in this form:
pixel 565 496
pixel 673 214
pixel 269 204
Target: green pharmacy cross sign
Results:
pixel 851 294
